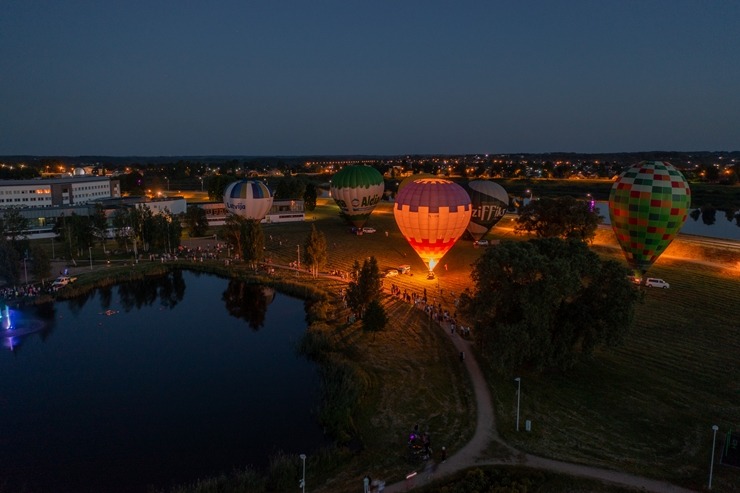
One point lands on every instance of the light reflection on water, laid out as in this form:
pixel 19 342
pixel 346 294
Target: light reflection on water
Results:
pixel 159 384
pixel 695 224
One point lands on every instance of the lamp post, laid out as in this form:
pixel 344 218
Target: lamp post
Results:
pixel 25 270
pixel 168 183
pixel 299 256
pixel 518 381
pixel 52 249
pixel 303 479
pixel 89 249
pixel 711 463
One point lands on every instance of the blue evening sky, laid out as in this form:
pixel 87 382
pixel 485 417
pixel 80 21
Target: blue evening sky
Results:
pixel 182 77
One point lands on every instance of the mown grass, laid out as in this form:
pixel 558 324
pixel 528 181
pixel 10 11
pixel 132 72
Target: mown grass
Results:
pixel 646 407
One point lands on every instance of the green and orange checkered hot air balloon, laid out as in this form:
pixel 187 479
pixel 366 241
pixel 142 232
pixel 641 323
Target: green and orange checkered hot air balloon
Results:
pixel 648 204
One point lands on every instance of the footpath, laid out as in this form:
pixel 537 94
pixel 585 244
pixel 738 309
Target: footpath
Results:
pixel 472 454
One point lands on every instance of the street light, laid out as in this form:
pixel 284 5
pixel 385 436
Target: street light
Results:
pixel 89 249
pixel 25 270
pixel 299 256
pixel 711 463
pixel 518 381
pixel 303 479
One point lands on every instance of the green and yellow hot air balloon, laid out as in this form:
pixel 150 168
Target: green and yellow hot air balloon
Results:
pixel 648 204
pixel 356 190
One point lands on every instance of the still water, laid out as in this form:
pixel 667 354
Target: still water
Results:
pixel 710 224
pixel 154 383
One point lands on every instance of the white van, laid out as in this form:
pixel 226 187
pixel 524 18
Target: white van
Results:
pixel 654 282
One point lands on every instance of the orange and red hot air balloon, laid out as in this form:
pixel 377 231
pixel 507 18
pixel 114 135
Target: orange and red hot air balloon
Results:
pixel 432 214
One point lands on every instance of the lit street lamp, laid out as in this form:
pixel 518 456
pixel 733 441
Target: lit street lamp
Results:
pixel 518 381
pixel 711 463
pixel 303 479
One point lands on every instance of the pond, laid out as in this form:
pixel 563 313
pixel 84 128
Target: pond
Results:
pixel 709 223
pixel 152 384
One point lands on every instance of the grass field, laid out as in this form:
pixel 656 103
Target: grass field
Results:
pixel 646 407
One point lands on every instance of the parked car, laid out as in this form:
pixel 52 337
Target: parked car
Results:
pixel 481 243
pixel 62 281
pixel 654 282
pixel 404 269
pixel 368 230
pixel 390 273
pixel 634 280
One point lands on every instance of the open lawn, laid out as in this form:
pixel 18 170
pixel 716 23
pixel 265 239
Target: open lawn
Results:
pixel 646 407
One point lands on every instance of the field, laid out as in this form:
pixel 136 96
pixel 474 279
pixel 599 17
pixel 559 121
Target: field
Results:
pixel 646 408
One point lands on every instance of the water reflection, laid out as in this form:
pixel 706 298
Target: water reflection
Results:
pixel 169 290
pixel 17 325
pixel 248 302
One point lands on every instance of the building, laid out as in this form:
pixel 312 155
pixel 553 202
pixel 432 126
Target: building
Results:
pixel 280 212
pixel 57 192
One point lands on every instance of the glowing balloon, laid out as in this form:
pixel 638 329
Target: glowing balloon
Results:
pixel 432 214
pixel 356 190
pixel 489 201
pixel 648 205
pixel 250 199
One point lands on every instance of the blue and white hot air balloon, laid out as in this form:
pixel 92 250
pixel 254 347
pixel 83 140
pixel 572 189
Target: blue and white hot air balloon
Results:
pixel 250 199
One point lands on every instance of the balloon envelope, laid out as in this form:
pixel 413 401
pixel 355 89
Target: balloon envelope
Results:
pixel 250 199
pixel 411 178
pixel 648 205
pixel 489 202
pixel 432 214
pixel 356 190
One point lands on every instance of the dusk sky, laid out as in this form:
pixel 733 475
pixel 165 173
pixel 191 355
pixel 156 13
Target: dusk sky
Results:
pixel 367 77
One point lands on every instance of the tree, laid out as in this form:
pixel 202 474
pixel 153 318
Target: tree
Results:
pixel 365 286
pixel 289 187
pixel 309 197
pixel 315 249
pixel 196 221
pixel 99 224
pixel 41 266
pixel 253 242
pixel 9 259
pixel 232 232
pixel 217 184
pixel 563 217
pixel 375 318
pixel 13 226
pixel 547 303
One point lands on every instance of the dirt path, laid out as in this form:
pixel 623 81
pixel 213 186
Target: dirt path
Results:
pixel 472 454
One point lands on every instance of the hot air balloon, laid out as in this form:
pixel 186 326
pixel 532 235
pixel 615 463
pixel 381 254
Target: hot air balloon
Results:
pixel 489 201
pixel 410 178
pixel 356 190
pixel 432 214
pixel 648 205
pixel 250 199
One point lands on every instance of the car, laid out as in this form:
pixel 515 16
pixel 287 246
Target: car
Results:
pixel 634 279
pixel 654 282
pixel 481 243
pixel 368 230
pixel 391 273
pixel 404 269
pixel 62 281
